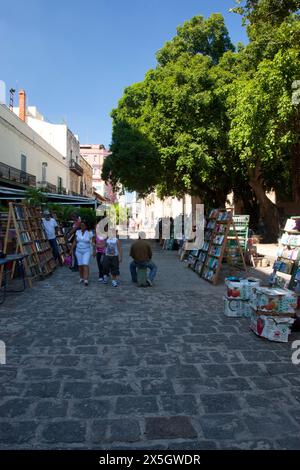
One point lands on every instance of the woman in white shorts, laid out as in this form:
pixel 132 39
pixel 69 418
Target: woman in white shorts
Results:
pixel 83 244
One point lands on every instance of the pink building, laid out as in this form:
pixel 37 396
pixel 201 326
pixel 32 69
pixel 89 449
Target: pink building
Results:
pixel 95 154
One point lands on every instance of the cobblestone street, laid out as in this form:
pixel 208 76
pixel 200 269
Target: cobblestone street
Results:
pixel 130 368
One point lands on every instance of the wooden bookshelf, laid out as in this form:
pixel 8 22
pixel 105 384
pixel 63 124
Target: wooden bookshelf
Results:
pixel 30 240
pixel 217 246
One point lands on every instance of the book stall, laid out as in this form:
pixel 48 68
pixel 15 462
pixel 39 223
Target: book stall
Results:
pixel 25 235
pixel 221 241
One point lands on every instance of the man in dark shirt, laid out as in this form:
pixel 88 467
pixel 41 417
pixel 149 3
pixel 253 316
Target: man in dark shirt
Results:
pixel 141 253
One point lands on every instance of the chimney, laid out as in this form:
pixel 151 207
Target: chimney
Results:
pixel 22 105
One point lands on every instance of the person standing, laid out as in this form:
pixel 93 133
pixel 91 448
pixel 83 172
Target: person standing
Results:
pixel 51 227
pixel 82 248
pixel 100 245
pixel 71 236
pixel 112 259
pixel 141 253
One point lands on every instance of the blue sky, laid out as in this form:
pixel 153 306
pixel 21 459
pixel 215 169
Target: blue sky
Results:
pixel 75 57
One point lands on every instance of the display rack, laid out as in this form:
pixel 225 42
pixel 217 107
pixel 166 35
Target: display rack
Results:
pixel 30 240
pixel 202 253
pixel 224 224
pixel 42 246
pixel 241 227
pixel 288 257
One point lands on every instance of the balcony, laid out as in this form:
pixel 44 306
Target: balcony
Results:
pixel 61 190
pixel 13 175
pixel 76 168
pixel 47 187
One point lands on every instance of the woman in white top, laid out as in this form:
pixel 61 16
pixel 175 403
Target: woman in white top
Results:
pixel 83 244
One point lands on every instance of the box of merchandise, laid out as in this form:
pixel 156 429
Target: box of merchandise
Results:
pixel 273 328
pixel 241 288
pixel 274 300
pixel 236 307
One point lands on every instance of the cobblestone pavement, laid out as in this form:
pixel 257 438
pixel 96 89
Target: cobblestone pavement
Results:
pixel 155 368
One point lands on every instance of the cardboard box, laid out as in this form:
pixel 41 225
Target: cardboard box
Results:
pixel 236 308
pixel 241 288
pixel 273 328
pixel 274 300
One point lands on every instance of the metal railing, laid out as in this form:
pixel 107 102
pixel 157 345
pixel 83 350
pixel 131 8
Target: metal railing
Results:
pixel 47 187
pixel 61 190
pixel 13 174
pixel 74 166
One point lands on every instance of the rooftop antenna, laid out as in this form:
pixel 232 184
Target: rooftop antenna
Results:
pixel 11 98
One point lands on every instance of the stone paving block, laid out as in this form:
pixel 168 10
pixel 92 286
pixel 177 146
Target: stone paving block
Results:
pixel 51 409
pixel 42 389
pixel 260 356
pixel 292 442
pixel 67 361
pixel 17 432
pixel 113 388
pixel 70 373
pixel 268 383
pixel 179 404
pixel 248 445
pixel 234 384
pixel 152 372
pixel 77 390
pixel 86 350
pixel 11 389
pixel 271 424
pixel 195 386
pixel 170 428
pixel 193 445
pixel 277 399
pixel 37 374
pixel 124 430
pixel 157 387
pixel 220 403
pixel 136 405
pixel 7 374
pixel 217 370
pixel 86 409
pixel 248 370
pixel 219 427
pixel 15 407
pixel 282 368
pixel 225 357
pixel 183 371
pixel 64 431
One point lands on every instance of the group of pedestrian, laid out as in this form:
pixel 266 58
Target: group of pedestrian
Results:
pixel 105 247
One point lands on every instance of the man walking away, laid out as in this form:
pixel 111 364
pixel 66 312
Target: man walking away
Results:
pixel 50 226
pixel 141 253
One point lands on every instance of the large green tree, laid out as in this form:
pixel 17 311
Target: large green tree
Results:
pixel 170 131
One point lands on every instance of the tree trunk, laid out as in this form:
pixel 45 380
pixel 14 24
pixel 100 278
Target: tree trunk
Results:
pixel 268 210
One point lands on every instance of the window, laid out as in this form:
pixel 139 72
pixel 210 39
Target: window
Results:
pixel 71 154
pixel 23 168
pixel 23 163
pixel 44 171
pixel 59 184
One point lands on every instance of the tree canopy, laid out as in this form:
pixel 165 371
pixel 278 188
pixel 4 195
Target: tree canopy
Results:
pixel 210 119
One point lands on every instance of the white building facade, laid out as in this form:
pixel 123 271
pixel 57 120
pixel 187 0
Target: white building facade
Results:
pixel 23 149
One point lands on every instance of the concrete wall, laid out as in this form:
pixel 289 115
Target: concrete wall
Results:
pixel 16 138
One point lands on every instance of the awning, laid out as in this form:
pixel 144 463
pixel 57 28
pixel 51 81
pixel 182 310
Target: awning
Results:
pixel 19 194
